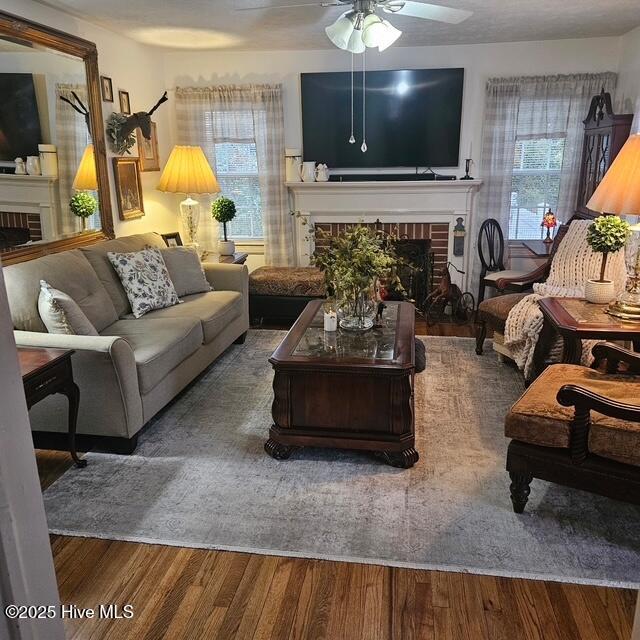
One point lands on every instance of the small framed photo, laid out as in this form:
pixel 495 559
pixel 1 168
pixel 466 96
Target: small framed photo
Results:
pixel 172 239
pixel 126 173
pixel 106 87
pixel 148 150
pixel 125 104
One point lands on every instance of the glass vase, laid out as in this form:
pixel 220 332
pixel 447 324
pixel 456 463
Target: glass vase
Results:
pixel 357 310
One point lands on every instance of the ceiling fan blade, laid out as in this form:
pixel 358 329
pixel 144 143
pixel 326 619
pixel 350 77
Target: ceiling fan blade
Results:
pixel 426 11
pixel 290 6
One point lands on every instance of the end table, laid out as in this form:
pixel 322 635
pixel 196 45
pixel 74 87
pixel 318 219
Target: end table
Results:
pixel 575 320
pixel 46 372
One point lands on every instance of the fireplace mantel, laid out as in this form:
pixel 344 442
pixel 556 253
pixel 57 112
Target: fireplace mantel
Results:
pixel 427 201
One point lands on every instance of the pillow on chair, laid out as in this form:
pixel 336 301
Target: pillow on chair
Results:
pixel 145 279
pixel 61 314
pixel 185 270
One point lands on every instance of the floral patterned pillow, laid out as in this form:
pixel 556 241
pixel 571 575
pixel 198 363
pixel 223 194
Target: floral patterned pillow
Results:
pixel 145 279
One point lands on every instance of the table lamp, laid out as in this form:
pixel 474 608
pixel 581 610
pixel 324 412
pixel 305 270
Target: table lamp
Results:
pixel 187 171
pixel 86 178
pixel 619 193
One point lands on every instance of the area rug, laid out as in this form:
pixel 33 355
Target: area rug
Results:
pixel 200 478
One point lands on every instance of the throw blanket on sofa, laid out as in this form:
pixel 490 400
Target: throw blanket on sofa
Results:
pixel 574 263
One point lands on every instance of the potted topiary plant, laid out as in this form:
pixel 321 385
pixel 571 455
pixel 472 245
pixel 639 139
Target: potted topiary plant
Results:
pixel 224 210
pixel 83 205
pixel 606 235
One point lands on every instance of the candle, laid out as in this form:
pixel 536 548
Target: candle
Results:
pixel 330 321
pixel 470 149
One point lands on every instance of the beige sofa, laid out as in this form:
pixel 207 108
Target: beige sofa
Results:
pixel 134 367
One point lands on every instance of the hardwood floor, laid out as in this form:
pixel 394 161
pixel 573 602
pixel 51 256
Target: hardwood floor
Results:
pixel 191 594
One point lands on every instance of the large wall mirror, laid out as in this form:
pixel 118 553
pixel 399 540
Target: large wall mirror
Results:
pixel 54 190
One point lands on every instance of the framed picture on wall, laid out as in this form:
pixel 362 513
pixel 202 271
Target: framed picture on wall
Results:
pixel 126 173
pixel 125 104
pixel 148 150
pixel 172 239
pixel 106 88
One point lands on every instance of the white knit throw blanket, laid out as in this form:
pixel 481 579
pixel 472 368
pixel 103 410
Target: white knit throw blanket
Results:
pixel 573 264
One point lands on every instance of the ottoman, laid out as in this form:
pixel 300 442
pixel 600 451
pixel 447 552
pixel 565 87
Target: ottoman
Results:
pixel 281 293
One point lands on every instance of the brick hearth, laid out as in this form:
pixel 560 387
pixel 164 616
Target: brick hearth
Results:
pixel 438 233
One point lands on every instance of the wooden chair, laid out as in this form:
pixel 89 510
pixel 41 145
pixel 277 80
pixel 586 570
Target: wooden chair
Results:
pixel 491 254
pixel 492 313
pixel 579 427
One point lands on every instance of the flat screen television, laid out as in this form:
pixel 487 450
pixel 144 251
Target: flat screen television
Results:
pixel 19 119
pixel 413 118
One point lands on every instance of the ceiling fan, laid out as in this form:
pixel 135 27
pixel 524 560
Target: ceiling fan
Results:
pixel 361 27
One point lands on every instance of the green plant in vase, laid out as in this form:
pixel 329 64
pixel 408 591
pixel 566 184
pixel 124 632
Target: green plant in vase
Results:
pixel 607 234
pixel 356 259
pixel 83 205
pixel 223 210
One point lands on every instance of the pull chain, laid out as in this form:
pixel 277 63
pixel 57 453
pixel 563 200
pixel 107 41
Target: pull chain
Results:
pixel 352 139
pixel 363 148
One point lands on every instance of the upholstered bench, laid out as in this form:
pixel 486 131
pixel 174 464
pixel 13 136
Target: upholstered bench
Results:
pixel 281 293
pixel 579 427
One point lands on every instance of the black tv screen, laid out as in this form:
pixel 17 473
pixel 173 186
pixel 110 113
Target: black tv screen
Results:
pixel 19 119
pixel 412 118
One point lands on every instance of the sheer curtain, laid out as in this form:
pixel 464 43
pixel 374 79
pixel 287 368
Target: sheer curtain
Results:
pixel 531 107
pixel 72 138
pixel 253 114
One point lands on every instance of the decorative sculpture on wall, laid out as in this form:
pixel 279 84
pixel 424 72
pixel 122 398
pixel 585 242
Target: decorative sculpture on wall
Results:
pixel 120 127
pixel 79 107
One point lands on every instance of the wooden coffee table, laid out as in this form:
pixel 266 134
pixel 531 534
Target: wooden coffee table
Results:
pixel 576 320
pixel 346 390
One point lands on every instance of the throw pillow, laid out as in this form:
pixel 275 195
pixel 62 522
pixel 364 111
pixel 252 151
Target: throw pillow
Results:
pixel 145 279
pixel 61 314
pixel 185 270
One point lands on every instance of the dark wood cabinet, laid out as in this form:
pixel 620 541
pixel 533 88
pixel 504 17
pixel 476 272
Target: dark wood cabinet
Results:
pixel 604 134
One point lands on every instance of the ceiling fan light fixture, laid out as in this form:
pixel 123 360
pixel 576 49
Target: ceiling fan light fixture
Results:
pixel 372 30
pixel 391 35
pixel 341 30
pixel 355 44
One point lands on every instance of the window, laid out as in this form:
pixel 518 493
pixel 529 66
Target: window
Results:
pixel 535 185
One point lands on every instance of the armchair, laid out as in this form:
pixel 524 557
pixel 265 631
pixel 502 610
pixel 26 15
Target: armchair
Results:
pixel 579 427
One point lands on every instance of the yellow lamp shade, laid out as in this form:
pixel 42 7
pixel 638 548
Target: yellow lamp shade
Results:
pixel 187 171
pixel 86 178
pixel 619 191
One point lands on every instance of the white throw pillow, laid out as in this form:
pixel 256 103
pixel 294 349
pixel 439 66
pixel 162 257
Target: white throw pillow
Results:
pixel 145 279
pixel 61 314
pixel 185 270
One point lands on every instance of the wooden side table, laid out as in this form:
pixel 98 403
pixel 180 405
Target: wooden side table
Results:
pixel 238 257
pixel 46 372
pixel 576 320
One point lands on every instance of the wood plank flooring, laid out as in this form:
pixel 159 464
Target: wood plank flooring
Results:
pixel 190 594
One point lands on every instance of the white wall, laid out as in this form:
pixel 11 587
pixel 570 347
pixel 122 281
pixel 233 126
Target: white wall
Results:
pixel 628 93
pixel 479 61
pixel 135 68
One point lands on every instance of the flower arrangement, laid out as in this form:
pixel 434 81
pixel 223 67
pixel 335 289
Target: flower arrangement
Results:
pixel 607 234
pixel 223 210
pixel 83 205
pixel 356 259
pixel 549 221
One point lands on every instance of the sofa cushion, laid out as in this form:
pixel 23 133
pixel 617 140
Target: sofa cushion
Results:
pixel 159 345
pixel 214 310
pixel 61 314
pixel 146 280
pixel 185 270
pixel 96 254
pixel 538 418
pixel 68 271
pixel 287 281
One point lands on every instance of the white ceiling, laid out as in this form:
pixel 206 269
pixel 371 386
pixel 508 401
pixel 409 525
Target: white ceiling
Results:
pixel 215 24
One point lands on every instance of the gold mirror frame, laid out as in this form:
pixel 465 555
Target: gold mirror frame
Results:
pixel 28 31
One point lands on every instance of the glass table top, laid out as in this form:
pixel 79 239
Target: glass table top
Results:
pixel 375 344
